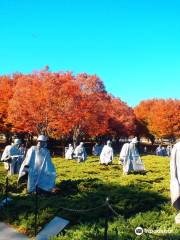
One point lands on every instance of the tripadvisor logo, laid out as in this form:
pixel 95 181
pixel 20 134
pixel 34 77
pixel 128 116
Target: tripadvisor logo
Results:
pixel 139 231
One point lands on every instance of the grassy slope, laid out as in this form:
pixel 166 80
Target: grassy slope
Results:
pixel 140 200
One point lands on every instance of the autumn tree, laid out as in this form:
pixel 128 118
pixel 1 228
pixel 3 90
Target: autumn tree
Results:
pixel 161 117
pixel 63 105
pixel 7 84
pixel 143 118
pixel 32 108
pixel 122 120
pixel 165 118
pixel 86 115
pixel 59 104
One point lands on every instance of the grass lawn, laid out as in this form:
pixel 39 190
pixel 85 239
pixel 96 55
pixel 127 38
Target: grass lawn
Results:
pixel 139 200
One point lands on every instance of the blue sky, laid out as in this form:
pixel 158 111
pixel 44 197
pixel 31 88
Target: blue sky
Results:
pixel 132 45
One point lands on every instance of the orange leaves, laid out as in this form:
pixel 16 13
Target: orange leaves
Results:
pixel 58 104
pixel 61 104
pixel 162 117
pixel 122 119
pixel 6 93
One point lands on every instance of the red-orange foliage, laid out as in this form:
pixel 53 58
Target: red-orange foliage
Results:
pixel 59 104
pixel 122 120
pixel 79 109
pixel 63 105
pixel 160 116
pixel 91 111
pixel 6 93
pixel 35 104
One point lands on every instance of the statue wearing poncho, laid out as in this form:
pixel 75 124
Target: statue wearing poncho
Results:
pixel 130 157
pixel 175 178
pixel 69 152
pixel 12 157
pixel 80 153
pixel 40 169
pixel 106 156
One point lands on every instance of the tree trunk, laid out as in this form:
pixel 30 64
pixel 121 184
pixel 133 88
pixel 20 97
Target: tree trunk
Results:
pixel 76 134
pixel 8 136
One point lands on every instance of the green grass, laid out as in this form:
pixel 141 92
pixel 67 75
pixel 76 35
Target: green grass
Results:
pixel 139 200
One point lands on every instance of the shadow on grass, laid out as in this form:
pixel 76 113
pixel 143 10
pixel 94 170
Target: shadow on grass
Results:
pixel 156 180
pixel 81 194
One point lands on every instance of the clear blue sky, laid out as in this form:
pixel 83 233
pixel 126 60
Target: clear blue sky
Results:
pixel 132 45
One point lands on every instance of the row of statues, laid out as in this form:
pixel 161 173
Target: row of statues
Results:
pixel 129 155
pixel 36 165
pixel 162 151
